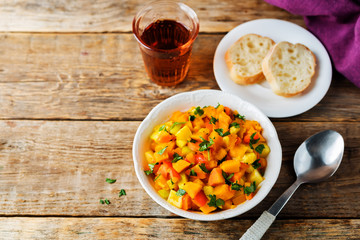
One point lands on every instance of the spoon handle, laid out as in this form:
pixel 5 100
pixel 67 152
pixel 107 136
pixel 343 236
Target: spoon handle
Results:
pixel 262 224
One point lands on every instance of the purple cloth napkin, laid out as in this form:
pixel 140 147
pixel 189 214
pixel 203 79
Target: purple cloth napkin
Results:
pixel 336 23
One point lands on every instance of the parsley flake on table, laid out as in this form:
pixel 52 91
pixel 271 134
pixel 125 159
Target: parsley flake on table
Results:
pixel 198 111
pixel 162 151
pixel 205 145
pixel 151 166
pixel 180 192
pixel 215 202
pixel 176 158
pixel 250 189
pixel 203 168
pixel 213 120
pixel 109 180
pixel 235 124
pixel 122 193
pixel 106 201
pixel 220 132
pixel 256 164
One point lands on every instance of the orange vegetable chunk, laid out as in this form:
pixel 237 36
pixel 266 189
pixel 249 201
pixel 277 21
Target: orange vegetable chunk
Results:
pixel 224 192
pixel 192 188
pixel 200 199
pixel 207 209
pixel 180 165
pixel 230 166
pixel 216 177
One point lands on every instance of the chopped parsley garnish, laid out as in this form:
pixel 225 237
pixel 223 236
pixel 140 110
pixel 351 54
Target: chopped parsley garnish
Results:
pixel 122 193
pixel 220 132
pixel 193 173
pixel 193 141
pixel 252 140
pixel 236 186
pixel 191 118
pixel 260 148
pixel 213 120
pixel 239 116
pixel 203 168
pixel 198 111
pixel 250 189
pixel 109 180
pixel 105 201
pixel 162 150
pixel 217 106
pixel 176 158
pixel 227 177
pixel 235 124
pixel 162 128
pixel 157 177
pixel 180 192
pixel 256 164
pixel 215 202
pixel 205 145
pixel 151 166
pixel 102 201
pixel 176 123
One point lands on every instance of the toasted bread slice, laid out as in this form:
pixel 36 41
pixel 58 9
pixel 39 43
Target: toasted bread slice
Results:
pixel 244 58
pixel 289 68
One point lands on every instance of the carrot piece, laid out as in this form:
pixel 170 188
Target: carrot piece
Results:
pixel 200 199
pixel 216 177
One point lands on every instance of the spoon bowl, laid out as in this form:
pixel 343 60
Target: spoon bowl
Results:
pixel 316 159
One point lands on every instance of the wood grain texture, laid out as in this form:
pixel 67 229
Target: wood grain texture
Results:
pixel 58 168
pixel 117 16
pixel 101 76
pixel 157 228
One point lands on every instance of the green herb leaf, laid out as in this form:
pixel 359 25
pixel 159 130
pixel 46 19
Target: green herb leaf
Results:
pixel 260 148
pixel 180 192
pixel 239 116
pixel 176 158
pixel 109 180
pixel 217 106
pixel 252 140
pixel 250 189
pixel 213 120
pixel 157 177
pixel 220 132
pixel 122 193
pixel 193 141
pixel 107 201
pixel 198 111
pixel 151 166
pixel 205 145
pixel 227 177
pixel 162 150
pixel 176 123
pixel 235 124
pixel 215 202
pixel 221 161
pixel 191 118
pixel 193 173
pixel 102 201
pixel 236 186
pixel 203 168
pixel 256 164
pixel 162 128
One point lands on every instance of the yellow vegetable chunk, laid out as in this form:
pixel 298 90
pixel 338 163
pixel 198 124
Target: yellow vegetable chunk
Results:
pixel 175 128
pixel 174 199
pixel 207 209
pixel 224 192
pixel 227 205
pixel 149 156
pixel 238 151
pixel 164 193
pixel 186 150
pixel 180 165
pixel 181 143
pixel 161 182
pixel 256 177
pixel 183 180
pixel 230 166
pixel 249 158
pixel 234 130
pixel 171 184
pixel 192 188
pixel 265 151
pixel 239 199
pixel 220 154
pixel 184 134
pixel 208 190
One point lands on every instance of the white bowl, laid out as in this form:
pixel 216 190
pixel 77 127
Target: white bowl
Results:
pixel 182 102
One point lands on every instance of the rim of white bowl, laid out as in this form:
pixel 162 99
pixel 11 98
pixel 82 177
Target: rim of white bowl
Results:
pixel 182 102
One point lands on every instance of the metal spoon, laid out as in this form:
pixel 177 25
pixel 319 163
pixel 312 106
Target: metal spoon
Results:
pixel 315 160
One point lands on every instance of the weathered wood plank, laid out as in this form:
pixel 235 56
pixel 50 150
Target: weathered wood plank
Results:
pixel 112 15
pixel 157 228
pixel 101 76
pixel 59 168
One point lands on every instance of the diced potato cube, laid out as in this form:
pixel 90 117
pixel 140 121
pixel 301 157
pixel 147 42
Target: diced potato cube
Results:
pixel 175 199
pixel 181 143
pixel 265 151
pixel 186 150
pixel 164 193
pixel 234 130
pixel 238 151
pixel 184 134
pixel 256 177
pixel 208 190
pixel 171 184
pixel 149 156
pixel 249 158
pixel 183 180
pixel 175 128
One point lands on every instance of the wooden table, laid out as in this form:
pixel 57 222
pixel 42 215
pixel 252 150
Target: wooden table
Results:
pixel 73 91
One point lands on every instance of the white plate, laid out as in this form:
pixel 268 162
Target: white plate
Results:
pixel 260 94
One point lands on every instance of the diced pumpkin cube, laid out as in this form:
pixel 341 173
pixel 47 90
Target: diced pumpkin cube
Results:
pixel 149 156
pixel 186 202
pixel 164 193
pixel 265 151
pixel 199 172
pixel 192 188
pixel 224 192
pixel 202 133
pixel 198 181
pixel 175 199
pixel 220 154
pixel 207 209
pixel 161 182
pixel 227 205
pixel 180 165
pixel 239 199
pixel 216 177
pixel 230 166
pixel 164 137
pixel 184 134
pixel 256 177
pixel 238 151
pixel 198 123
